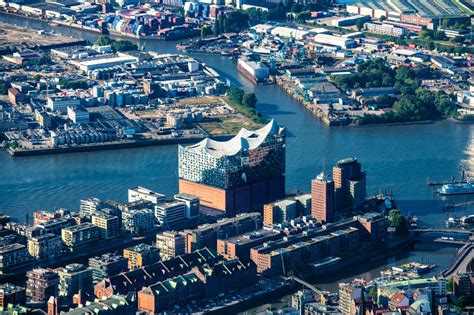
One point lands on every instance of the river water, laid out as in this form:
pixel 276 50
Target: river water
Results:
pixel 396 158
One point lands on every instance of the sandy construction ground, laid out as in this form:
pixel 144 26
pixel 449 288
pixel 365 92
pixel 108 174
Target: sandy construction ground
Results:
pixel 17 36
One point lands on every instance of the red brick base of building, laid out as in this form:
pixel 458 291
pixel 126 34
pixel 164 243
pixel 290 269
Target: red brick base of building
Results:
pixel 250 197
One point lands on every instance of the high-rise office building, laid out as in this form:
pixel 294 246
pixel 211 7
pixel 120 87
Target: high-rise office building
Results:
pixel 349 184
pixel 322 198
pixel 237 175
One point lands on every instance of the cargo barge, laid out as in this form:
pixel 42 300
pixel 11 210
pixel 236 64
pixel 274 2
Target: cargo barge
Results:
pixel 254 71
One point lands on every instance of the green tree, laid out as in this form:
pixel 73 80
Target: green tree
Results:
pixel 382 18
pixel 461 304
pixel 425 34
pixel 63 81
pixel 296 8
pixel 236 95
pixel 406 109
pixel 445 23
pixel 205 31
pixel 444 105
pixel 450 286
pixel 398 221
pixel 81 84
pixel 360 25
pixel 457 39
pixel 237 20
pixel 103 40
pixel 373 293
pixel 439 35
pixel 303 16
pixel 249 100
pixel 45 59
pixel 14 145
pixel 278 12
pixel 216 30
pixel 123 45
pixel 460 26
pixel 4 88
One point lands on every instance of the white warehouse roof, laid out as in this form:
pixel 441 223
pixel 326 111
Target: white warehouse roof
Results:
pixel 284 31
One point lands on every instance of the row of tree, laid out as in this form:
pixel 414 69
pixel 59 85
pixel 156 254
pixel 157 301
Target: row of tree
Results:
pixel 231 22
pixel 372 73
pixel 415 103
pixel 430 43
pixel 238 96
pixel 117 45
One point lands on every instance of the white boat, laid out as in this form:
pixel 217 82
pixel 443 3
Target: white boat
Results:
pixel 457 189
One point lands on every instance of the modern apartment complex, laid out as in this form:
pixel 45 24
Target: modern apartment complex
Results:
pixel 107 265
pixel 45 246
pixel 170 244
pixel 107 224
pixel 11 294
pixel 170 215
pixel 141 255
pixel 80 234
pixel 12 255
pixel 74 277
pixel 138 220
pixel 142 193
pixel 42 284
pixel 207 235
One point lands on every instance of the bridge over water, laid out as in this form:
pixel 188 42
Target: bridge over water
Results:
pixel 306 284
pixel 463 262
pixel 456 236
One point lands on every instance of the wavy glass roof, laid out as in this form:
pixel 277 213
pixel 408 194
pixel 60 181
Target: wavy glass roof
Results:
pixel 244 140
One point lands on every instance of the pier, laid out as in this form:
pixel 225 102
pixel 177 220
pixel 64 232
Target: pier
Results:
pixel 463 180
pixel 458 205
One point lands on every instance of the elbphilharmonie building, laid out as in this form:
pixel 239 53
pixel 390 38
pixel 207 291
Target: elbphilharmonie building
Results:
pixel 237 175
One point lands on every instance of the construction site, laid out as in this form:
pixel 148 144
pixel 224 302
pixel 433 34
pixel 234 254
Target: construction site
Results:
pixel 13 38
